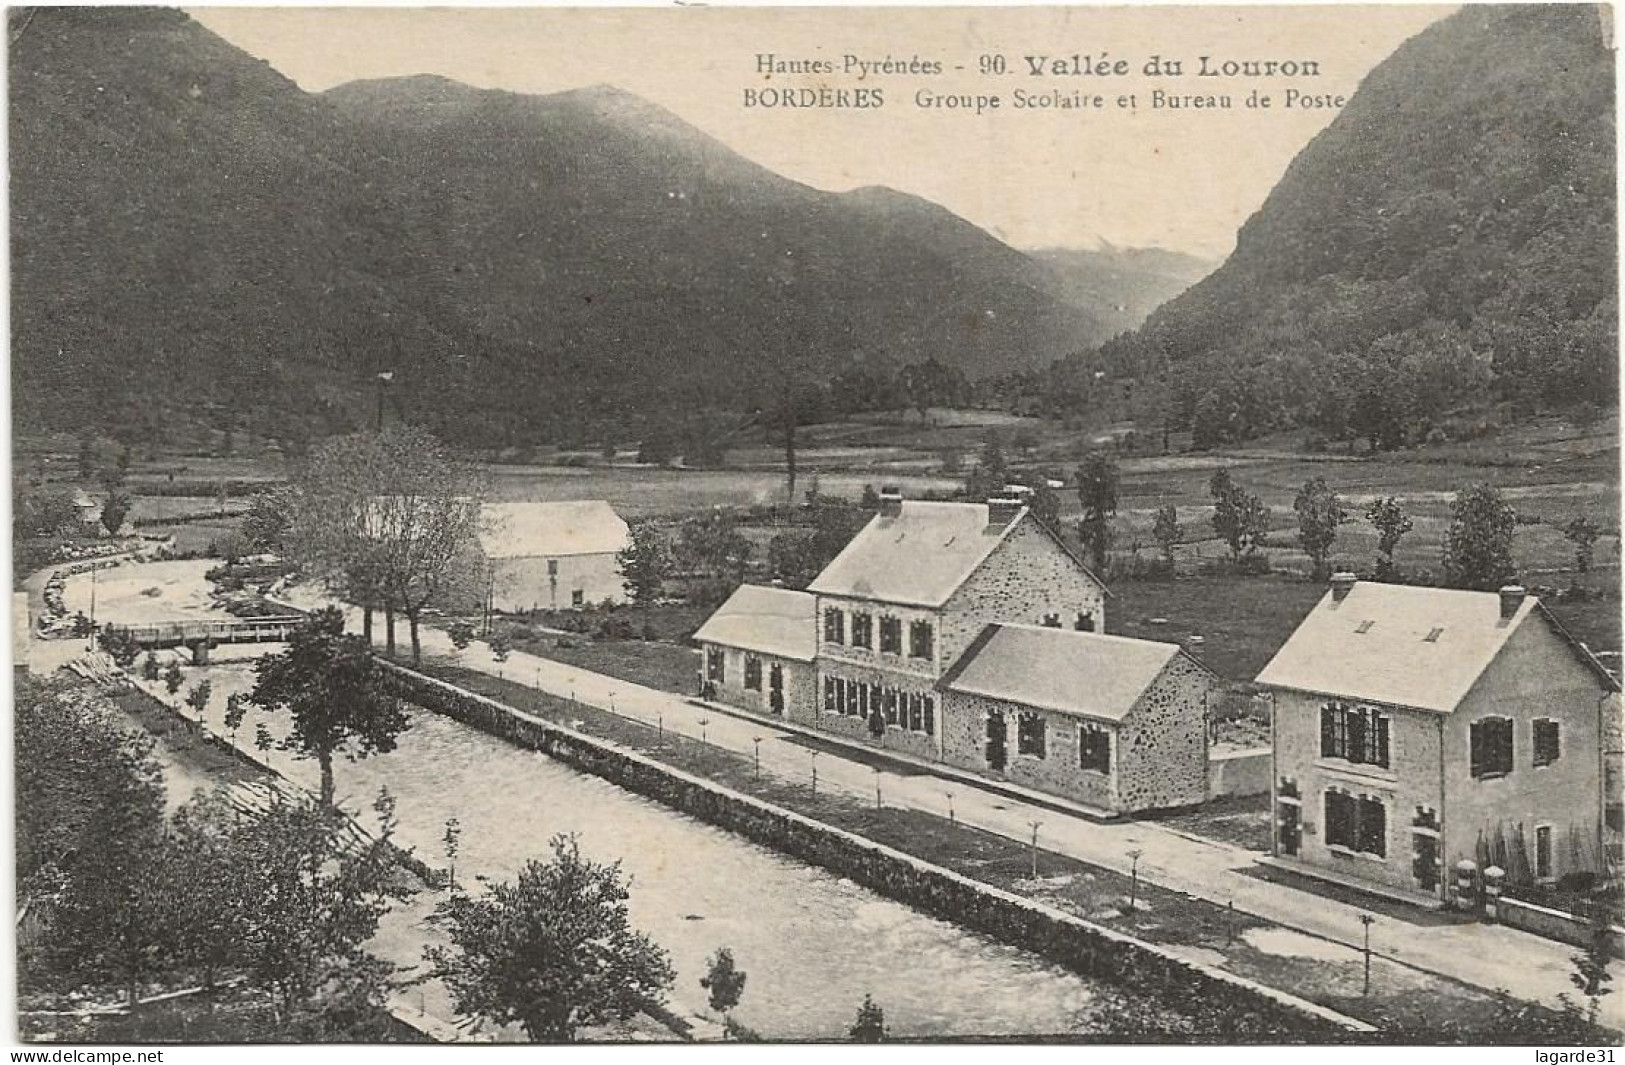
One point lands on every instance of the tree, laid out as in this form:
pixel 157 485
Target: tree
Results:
pixel 1591 975
pixel 552 951
pixel 1240 518
pixel 210 891
pixel 198 697
pixel 430 523
pixel 89 823
pixel 173 677
pixel 712 545
pixel 1097 491
pixel 114 511
pixel 120 645
pixel 724 981
pixel 461 633
pixel 1478 544
pixel 312 899
pixel 332 687
pixel 1168 532
pixel 236 710
pixel 990 474
pixel 265 526
pixel 644 564
pixel 1320 512
pixel 1582 532
pixel 392 518
pixel 149 667
pixel 41 511
pixel 1392 523
pixel 870 1025
pixel 1045 505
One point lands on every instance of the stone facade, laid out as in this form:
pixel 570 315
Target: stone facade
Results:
pixel 910 710
pixel 797 680
pixel 1158 750
pixel 1029 579
pixel 1435 811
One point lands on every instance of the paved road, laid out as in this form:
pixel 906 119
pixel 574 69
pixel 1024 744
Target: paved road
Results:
pixel 1487 956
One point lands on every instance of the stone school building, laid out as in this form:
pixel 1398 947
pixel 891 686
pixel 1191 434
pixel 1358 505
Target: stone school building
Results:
pixel 947 631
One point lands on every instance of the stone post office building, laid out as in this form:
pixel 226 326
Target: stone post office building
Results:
pixel 1416 727
pixel 908 608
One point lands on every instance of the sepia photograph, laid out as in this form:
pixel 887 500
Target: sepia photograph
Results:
pixel 681 525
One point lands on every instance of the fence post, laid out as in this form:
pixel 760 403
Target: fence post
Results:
pixel 1466 885
pixel 1493 877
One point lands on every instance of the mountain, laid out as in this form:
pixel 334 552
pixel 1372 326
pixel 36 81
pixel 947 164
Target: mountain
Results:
pixel 1122 285
pixel 1449 238
pixel 196 239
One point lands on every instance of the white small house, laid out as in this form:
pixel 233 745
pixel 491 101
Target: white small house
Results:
pixel 553 556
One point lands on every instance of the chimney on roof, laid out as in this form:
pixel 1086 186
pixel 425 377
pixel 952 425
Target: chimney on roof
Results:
pixel 1195 645
pixel 891 501
pixel 1342 584
pixel 1512 597
pixel 1001 510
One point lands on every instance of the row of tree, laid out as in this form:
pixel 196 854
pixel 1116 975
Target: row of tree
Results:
pixel 390 519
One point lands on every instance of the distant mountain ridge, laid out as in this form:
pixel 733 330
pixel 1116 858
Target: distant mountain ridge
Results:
pixel 1450 237
pixel 194 237
pixel 1124 284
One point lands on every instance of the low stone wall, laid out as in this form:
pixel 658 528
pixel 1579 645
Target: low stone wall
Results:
pixel 1223 1005
pixel 1239 773
pixel 1552 924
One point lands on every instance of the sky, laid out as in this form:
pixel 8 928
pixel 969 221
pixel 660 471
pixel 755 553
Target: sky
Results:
pixel 1182 179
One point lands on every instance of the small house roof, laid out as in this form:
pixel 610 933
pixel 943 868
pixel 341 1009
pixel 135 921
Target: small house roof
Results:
pixel 1403 645
pixel 774 621
pixel 919 557
pixel 1089 674
pixel 557 529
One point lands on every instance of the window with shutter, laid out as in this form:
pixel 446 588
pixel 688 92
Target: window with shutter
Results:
pixel 1490 747
pixel 1373 827
pixel 1339 820
pixel 1030 735
pixel 1548 745
pixel 1094 748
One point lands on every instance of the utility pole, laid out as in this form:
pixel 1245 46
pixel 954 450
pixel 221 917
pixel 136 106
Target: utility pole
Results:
pixel 1367 920
pixel 383 379
pixel 92 645
pixel 1034 826
pixel 757 740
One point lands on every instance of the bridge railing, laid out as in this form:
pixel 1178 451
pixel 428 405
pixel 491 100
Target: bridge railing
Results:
pixel 184 632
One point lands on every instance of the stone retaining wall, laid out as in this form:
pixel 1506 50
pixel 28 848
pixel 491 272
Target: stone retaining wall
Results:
pixel 1552 924
pixel 1223 1005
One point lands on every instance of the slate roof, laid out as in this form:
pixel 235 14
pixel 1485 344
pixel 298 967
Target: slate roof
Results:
pixel 554 530
pixel 1090 674
pixel 918 557
pixel 1393 661
pixel 774 621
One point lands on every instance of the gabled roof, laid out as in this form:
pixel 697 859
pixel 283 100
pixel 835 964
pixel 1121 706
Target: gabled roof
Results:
pixel 1089 674
pixel 530 529
pixel 774 621
pixel 1403 645
pixel 920 557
